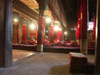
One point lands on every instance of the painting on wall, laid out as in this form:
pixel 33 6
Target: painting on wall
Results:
pixel 20 32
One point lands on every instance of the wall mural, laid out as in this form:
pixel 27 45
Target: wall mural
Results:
pixel 20 29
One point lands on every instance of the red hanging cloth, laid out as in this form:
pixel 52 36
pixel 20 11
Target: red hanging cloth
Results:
pixel 24 33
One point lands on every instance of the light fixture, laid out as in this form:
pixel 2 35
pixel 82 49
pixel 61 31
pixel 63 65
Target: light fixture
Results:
pixel 15 20
pixel 79 18
pixel 60 29
pixel 48 19
pixel 46 31
pixel 56 27
pixel 32 26
pixel 65 33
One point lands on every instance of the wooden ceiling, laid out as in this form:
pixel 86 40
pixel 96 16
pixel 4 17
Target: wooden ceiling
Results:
pixel 32 4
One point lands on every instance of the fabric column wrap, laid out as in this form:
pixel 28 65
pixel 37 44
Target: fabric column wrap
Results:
pixel 58 35
pixel 94 29
pixel 40 31
pixel 24 33
pixel 36 34
pixel 52 34
pixel 84 18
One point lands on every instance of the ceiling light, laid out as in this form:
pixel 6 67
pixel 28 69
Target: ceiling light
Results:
pixel 56 27
pixel 48 20
pixel 15 20
pixel 65 33
pixel 32 26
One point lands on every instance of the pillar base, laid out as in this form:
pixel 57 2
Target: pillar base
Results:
pixel 83 48
pixel 39 48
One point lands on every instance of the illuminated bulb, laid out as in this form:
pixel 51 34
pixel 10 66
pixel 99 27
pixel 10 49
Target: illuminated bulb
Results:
pixel 56 28
pixel 65 33
pixel 15 20
pixel 79 19
pixel 46 31
pixel 60 29
pixel 32 26
pixel 48 20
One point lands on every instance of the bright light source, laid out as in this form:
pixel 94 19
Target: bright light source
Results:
pixel 48 19
pixel 32 26
pixel 60 29
pixel 90 26
pixel 46 31
pixel 79 18
pixel 15 20
pixel 56 28
pixel 65 33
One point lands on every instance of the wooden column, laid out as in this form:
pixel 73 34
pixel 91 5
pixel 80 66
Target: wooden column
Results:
pixel 97 40
pixel 40 25
pixel 40 32
pixel 84 26
pixel 5 33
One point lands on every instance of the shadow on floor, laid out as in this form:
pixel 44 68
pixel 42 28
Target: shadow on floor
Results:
pixel 63 70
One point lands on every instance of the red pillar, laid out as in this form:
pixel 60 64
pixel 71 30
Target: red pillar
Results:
pixel 36 34
pixel 52 34
pixel 40 34
pixel 97 40
pixel 61 35
pixel 84 19
pixel 58 35
pixel 94 29
pixel 78 30
pixel 40 31
pixel 44 33
pixel 84 26
pixel 40 25
pixel 24 33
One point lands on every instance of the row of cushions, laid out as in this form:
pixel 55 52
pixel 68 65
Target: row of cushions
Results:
pixel 29 42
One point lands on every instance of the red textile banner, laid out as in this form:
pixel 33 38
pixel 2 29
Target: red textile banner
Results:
pixel 78 30
pixel 58 35
pixel 32 34
pixel 94 29
pixel 84 18
pixel 52 34
pixel 36 34
pixel 43 33
pixel 24 33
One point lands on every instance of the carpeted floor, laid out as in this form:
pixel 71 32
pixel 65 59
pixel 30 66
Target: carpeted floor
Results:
pixel 42 64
